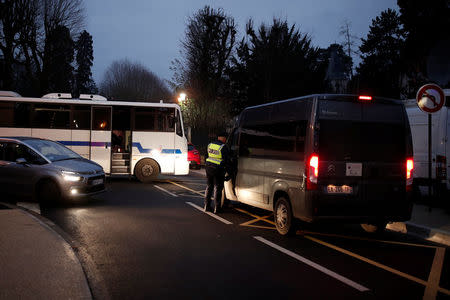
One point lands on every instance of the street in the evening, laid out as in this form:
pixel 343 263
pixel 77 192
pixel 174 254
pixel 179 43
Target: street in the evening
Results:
pixel 154 241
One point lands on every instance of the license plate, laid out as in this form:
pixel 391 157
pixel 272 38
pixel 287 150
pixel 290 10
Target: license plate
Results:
pixel 339 189
pixel 97 181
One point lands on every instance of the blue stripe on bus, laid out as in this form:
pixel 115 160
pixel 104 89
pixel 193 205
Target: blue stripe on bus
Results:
pixel 103 144
pixel 141 150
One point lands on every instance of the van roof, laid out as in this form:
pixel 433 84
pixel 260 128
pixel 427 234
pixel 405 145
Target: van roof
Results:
pixel 344 97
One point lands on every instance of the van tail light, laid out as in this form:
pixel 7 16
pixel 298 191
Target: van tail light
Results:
pixel 365 98
pixel 409 173
pixel 313 172
pixel 441 171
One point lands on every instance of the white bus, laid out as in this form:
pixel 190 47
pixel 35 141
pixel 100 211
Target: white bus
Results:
pixel 135 138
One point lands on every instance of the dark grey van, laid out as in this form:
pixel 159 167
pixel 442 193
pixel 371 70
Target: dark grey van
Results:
pixel 324 158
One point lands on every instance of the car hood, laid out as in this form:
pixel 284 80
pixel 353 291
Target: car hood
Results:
pixel 78 165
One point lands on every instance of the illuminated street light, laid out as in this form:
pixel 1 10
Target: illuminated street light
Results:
pixel 182 97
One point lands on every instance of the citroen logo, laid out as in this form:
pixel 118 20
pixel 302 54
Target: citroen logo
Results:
pixel 331 169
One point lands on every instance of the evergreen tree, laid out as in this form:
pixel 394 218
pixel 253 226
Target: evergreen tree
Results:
pixel 381 68
pixel 58 58
pixel 427 24
pixel 84 84
pixel 276 62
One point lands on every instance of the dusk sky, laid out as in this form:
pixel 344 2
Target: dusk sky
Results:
pixel 149 32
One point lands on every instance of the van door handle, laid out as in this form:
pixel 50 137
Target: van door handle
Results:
pixel 303 181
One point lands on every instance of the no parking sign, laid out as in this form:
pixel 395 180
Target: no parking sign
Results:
pixel 430 98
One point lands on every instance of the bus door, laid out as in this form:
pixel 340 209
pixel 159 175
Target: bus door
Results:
pixel 100 146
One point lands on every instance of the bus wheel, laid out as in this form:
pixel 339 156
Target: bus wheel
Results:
pixel 284 221
pixel 378 227
pixel 146 170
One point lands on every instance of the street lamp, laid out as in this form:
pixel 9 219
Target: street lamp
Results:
pixel 182 97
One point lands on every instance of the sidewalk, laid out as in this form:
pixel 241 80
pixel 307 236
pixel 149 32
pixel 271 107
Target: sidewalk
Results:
pixel 35 261
pixel 431 225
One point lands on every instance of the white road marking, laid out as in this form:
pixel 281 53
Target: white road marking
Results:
pixel 314 265
pixel 210 213
pixel 164 190
pixel 31 206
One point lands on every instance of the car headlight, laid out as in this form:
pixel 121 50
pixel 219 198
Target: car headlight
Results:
pixel 71 176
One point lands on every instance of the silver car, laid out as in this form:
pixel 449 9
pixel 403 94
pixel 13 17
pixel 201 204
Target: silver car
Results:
pixel 46 171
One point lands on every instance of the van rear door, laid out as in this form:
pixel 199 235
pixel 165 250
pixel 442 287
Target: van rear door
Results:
pixel 362 156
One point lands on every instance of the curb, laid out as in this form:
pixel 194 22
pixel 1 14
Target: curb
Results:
pixel 421 231
pixel 58 232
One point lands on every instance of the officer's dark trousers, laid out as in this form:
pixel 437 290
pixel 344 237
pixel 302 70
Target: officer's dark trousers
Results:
pixel 216 176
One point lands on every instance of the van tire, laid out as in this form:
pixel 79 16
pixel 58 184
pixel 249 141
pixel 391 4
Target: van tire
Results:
pixel 284 220
pixel 146 170
pixel 377 227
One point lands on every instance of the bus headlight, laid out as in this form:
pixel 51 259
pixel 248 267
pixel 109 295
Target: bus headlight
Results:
pixel 71 176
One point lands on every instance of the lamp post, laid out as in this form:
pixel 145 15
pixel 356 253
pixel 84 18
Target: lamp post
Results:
pixel 182 98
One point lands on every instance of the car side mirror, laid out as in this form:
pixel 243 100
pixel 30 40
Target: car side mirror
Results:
pixel 21 161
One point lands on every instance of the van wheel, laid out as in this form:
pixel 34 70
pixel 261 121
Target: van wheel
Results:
pixel 284 220
pixel 146 170
pixel 48 193
pixel 378 227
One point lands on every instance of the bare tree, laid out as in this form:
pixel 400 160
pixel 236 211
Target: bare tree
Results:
pixel 349 43
pixel 24 29
pixel 125 80
pixel 68 13
pixel 206 51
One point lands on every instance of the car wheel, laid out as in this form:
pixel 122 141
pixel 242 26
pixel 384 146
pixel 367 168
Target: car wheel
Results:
pixel 48 193
pixel 377 227
pixel 284 220
pixel 146 170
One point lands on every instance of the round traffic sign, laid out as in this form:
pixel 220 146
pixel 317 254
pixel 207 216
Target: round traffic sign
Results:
pixel 430 98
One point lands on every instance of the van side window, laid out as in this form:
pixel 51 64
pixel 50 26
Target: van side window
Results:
pixel 252 141
pixel 286 140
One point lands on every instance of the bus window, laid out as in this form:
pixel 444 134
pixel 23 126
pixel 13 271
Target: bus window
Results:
pixel 22 112
pixel 144 119
pixel 101 119
pixel 53 116
pixel 154 119
pixel 81 117
pixel 6 114
pixel 179 131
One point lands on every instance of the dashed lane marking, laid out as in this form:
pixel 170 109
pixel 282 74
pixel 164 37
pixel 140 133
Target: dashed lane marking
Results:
pixel 164 190
pixel 318 267
pixel 386 268
pixel 210 213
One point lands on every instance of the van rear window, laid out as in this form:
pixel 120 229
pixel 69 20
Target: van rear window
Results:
pixel 361 141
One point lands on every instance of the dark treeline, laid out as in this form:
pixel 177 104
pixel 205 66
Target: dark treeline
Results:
pixel 43 47
pixel 276 61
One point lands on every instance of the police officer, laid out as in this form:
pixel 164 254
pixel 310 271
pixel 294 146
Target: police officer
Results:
pixel 216 165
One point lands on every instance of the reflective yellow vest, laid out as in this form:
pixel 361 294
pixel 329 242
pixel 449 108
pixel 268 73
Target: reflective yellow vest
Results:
pixel 214 153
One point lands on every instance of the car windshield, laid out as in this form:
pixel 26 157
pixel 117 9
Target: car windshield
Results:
pixel 53 151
